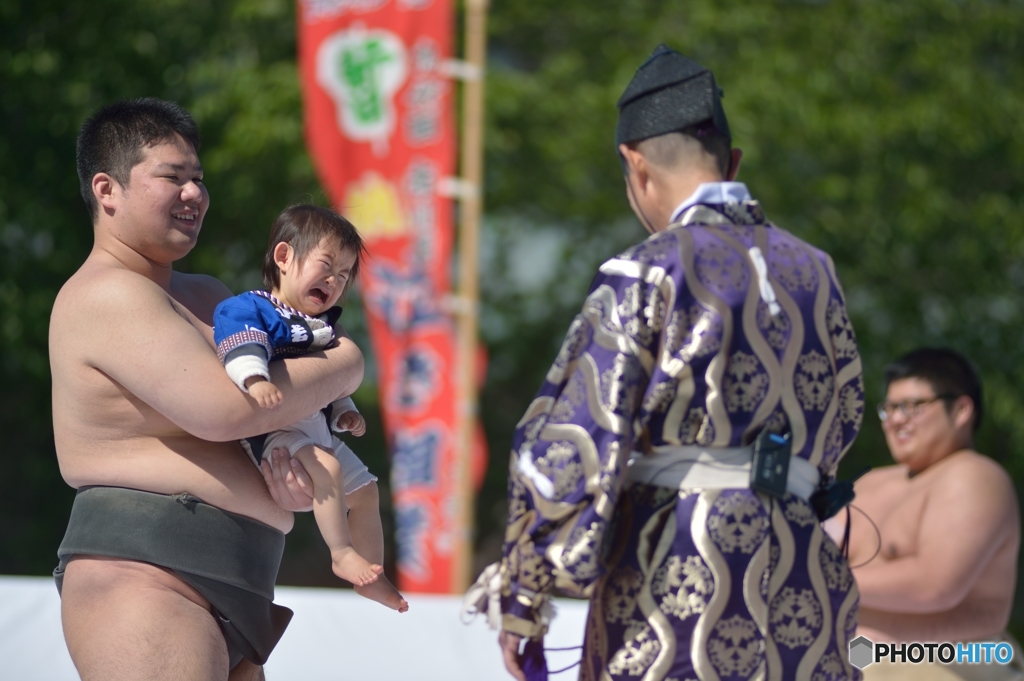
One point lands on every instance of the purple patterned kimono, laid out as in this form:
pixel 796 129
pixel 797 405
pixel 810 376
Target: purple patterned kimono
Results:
pixel 678 343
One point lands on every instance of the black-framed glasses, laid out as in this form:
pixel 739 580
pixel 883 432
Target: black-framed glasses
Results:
pixel 908 408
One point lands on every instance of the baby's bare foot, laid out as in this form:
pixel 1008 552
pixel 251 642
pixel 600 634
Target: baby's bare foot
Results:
pixel 384 593
pixel 352 567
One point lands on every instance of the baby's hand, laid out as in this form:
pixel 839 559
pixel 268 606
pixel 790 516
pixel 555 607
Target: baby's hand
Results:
pixel 266 394
pixel 353 422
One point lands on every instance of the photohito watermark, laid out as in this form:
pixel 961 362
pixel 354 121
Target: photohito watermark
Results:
pixel 864 651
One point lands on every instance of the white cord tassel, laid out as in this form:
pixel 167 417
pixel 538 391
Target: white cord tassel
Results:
pixel 547 611
pixel 767 292
pixel 484 596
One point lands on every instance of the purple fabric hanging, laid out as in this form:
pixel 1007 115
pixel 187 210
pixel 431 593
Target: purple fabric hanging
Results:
pixel 535 665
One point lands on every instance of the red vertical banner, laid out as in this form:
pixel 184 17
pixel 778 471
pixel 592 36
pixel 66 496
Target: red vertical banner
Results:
pixel 378 121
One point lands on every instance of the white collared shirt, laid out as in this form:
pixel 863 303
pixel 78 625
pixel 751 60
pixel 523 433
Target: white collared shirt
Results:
pixel 713 192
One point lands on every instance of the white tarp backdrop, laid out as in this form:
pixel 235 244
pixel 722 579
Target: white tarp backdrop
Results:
pixel 334 636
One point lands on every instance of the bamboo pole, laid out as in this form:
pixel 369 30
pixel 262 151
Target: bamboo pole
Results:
pixel 471 167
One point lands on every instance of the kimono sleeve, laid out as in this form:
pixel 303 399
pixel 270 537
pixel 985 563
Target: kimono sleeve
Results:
pixel 571 449
pixel 849 384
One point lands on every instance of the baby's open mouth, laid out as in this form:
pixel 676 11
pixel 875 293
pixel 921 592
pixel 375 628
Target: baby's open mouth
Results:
pixel 319 295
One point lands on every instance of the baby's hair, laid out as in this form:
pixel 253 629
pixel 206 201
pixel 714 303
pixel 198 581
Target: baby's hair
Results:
pixel 303 227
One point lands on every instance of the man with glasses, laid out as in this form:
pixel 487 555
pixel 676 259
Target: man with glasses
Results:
pixel 938 559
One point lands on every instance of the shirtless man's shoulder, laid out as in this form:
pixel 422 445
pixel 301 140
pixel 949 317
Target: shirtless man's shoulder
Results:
pixel 961 471
pixel 95 291
pixel 956 479
pixel 884 476
pixel 968 468
pixel 97 286
pixel 201 292
pixel 977 483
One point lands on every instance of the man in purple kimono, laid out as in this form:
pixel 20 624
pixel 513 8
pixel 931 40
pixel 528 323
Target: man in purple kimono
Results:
pixel 719 345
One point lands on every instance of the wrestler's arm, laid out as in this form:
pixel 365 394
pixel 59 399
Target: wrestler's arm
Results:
pixel 345 415
pixel 970 513
pixel 313 380
pixel 170 365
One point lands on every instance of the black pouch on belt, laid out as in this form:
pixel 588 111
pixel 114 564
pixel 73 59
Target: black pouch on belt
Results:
pixel 769 469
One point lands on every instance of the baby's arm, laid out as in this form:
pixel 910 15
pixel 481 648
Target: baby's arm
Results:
pixel 244 346
pixel 264 392
pixel 345 417
pixel 247 367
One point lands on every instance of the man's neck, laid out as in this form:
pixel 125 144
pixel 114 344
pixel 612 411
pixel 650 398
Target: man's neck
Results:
pixel 672 188
pixel 116 253
pixel 961 445
pixel 682 186
pixel 714 193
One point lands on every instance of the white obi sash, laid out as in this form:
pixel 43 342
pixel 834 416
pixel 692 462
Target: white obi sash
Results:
pixel 712 468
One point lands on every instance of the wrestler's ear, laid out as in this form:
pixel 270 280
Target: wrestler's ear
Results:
pixel 106 191
pixel 962 411
pixel 284 256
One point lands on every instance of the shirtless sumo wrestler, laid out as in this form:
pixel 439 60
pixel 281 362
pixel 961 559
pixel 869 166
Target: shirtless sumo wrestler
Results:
pixel 947 516
pixel 141 401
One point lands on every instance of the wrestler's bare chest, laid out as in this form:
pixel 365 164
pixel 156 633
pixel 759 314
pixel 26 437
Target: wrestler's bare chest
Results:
pixel 89 405
pixel 106 435
pixel 895 504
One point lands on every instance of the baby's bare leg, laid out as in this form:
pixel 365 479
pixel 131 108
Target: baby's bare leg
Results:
pixel 331 511
pixel 364 522
pixel 368 539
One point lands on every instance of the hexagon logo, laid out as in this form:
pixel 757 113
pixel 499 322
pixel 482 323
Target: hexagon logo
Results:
pixel 862 652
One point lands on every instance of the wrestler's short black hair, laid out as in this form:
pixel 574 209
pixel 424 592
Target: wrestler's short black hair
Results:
pixel 946 370
pixel 112 139
pixel 303 226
